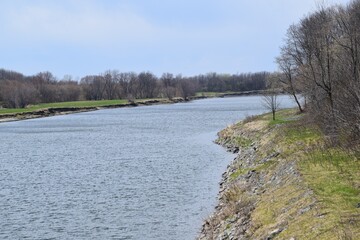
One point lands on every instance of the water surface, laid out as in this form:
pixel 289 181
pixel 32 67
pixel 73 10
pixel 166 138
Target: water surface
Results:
pixel 135 173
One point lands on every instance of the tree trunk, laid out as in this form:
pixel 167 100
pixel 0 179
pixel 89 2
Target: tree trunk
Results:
pixel 298 103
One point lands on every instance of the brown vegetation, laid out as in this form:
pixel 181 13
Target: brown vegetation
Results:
pixel 17 90
pixel 321 58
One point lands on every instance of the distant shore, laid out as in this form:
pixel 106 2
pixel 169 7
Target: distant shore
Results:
pixel 55 111
pixel 62 110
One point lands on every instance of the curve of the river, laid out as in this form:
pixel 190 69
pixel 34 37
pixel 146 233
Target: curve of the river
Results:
pixel 136 173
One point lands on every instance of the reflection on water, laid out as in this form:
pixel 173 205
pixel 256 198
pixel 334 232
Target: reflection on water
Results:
pixel 136 173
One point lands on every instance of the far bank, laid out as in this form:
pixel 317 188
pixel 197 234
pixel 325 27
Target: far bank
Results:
pixel 54 109
pixel 62 108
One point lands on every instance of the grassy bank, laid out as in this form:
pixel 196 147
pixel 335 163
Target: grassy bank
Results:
pixel 109 103
pixel 51 109
pixel 74 104
pixel 77 104
pixel 331 173
pixel 293 184
pixel 229 93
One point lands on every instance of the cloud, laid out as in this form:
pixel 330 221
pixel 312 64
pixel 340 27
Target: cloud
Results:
pixel 82 36
pixel 89 23
pixel 84 24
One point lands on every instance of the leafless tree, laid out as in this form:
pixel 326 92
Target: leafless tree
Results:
pixel 288 76
pixel 271 102
pixel 185 87
pixel 94 87
pixel 147 85
pixel 111 80
pixel 18 94
pixel 168 85
pixel 270 97
pixel 322 52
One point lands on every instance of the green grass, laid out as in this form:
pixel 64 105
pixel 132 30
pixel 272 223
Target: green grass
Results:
pixel 214 94
pixel 334 176
pixel 237 173
pixel 278 121
pixel 98 103
pixel 296 133
pixel 319 202
pixel 242 141
pixel 282 117
pixel 207 94
pixel 149 99
pixel 75 104
pixel 269 165
pixel 333 173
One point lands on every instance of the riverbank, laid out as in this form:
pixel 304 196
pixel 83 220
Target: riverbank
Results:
pixel 49 110
pixel 285 183
pixel 62 108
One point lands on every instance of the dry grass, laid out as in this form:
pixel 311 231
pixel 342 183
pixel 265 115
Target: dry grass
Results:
pixel 317 200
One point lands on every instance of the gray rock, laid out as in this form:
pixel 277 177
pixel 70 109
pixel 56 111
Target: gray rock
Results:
pixel 273 233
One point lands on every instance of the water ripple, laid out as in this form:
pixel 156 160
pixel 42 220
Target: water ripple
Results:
pixel 135 173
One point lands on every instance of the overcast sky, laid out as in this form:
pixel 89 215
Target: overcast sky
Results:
pixel 81 37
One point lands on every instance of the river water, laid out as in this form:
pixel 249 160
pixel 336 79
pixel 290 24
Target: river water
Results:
pixel 132 173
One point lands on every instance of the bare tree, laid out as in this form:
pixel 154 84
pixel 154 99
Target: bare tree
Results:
pixel 322 52
pixel 168 85
pixel 271 102
pixel 288 76
pixel 185 87
pixel 110 84
pixel 93 87
pixel 147 85
pixel 134 86
pixel 18 94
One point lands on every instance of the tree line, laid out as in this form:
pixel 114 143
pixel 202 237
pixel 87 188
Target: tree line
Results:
pixel 321 59
pixel 18 90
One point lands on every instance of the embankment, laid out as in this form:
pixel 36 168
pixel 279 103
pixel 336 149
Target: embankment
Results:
pixel 285 183
pixel 48 112
pixel 53 111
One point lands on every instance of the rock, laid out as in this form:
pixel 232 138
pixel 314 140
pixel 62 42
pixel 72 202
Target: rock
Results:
pixel 304 210
pixel 250 174
pixel 273 233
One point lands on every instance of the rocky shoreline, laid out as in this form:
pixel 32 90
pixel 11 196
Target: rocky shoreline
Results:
pixel 252 201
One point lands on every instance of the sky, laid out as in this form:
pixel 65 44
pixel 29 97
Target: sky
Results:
pixel 188 37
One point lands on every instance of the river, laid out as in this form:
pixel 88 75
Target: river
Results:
pixel 130 173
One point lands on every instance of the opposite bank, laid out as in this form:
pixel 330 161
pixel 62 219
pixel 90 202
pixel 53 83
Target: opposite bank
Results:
pixel 54 111
pixel 285 183
pixel 72 107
